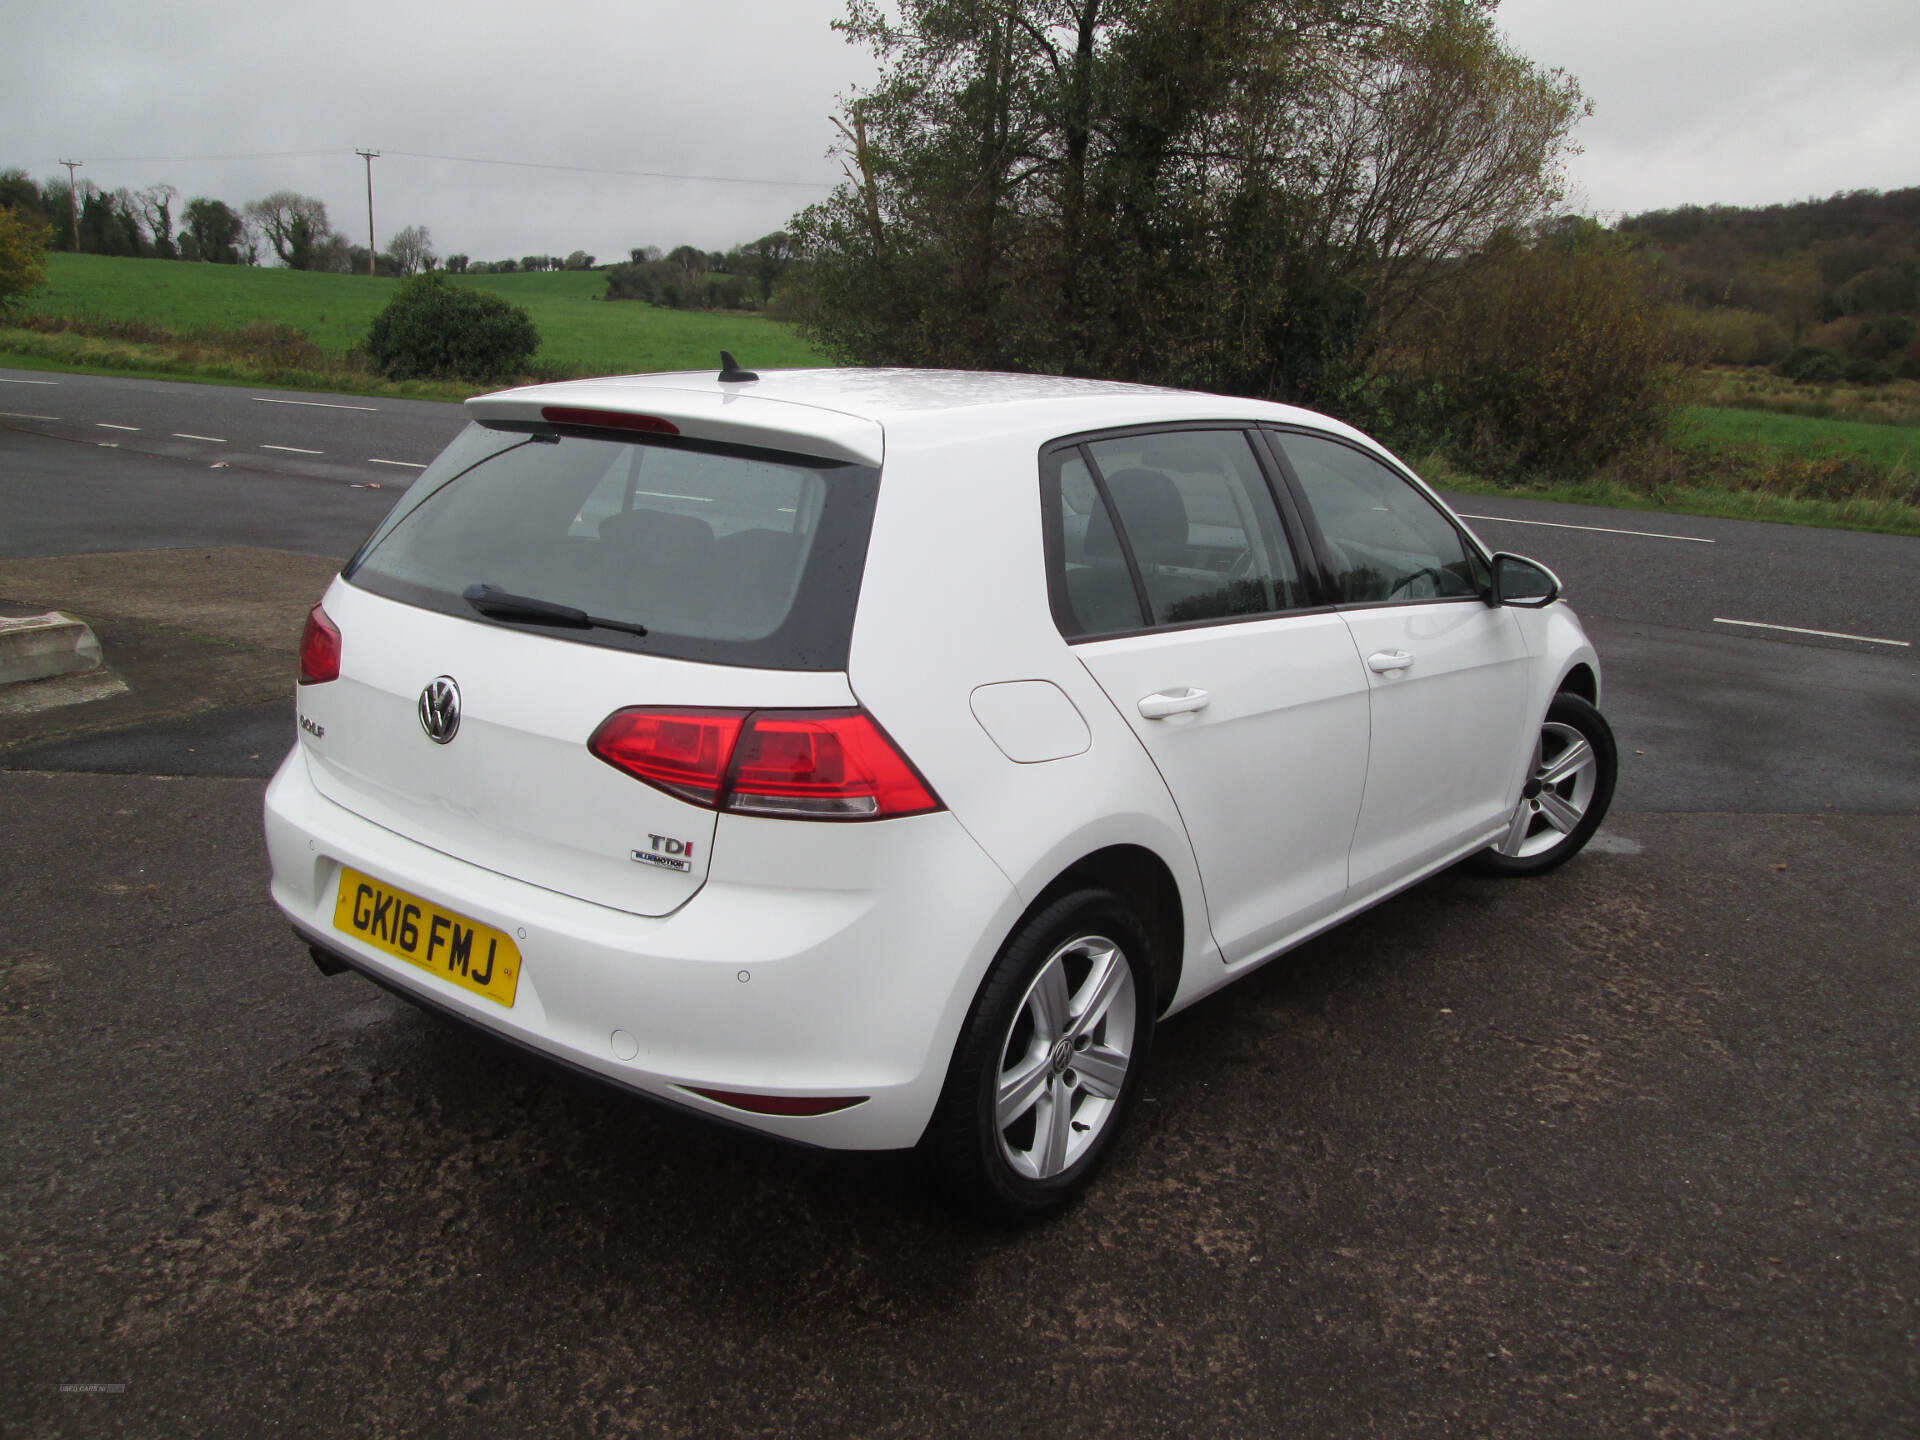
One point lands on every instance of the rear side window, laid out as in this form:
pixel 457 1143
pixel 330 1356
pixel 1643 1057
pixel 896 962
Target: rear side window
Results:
pixel 1198 536
pixel 1099 591
pixel 723 554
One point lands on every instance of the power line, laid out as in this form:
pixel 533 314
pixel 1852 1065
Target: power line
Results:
pixel 598 170
pixel 186 159
pixel 468 160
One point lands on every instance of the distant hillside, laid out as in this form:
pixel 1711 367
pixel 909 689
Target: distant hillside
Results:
pixel 1785 229
pixel 1841 275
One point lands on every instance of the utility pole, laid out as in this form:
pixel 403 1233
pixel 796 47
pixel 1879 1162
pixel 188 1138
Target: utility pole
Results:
pixel 369 156
pixel 73 203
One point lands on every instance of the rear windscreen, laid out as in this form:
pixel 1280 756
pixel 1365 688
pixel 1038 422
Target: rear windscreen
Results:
pixel 723 554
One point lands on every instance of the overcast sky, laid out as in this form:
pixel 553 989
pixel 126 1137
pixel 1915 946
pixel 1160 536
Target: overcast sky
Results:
pixel 1731 101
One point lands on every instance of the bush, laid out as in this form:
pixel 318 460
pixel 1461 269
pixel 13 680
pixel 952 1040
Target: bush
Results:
pixel 1885 337
pixel 23 264
pixel 1733 337
pixel 437 330
pixel 1867 372
pixel 1810 365
pixel 1541 358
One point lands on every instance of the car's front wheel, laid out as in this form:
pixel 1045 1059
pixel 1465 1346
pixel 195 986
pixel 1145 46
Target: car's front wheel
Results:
pixel 1050 1058
pixel 1568 788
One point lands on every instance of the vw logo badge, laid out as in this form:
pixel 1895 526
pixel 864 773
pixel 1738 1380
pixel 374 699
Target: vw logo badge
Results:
pixel 440 710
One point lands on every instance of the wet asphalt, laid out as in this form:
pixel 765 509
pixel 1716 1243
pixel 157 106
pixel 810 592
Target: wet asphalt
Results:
pixel 1628 1149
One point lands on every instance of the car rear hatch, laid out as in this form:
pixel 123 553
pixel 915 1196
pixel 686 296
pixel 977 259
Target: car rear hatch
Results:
pixel 539 579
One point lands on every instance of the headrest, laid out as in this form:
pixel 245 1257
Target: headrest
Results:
pixel 1153 512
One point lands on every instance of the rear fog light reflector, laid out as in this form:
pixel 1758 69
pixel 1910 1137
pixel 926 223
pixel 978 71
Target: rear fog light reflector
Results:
pixel 778 1104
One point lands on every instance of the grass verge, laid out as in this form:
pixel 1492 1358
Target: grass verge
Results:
pixel 1752 482
pixel 1756 388
pixel 208 357
pixel 1715 428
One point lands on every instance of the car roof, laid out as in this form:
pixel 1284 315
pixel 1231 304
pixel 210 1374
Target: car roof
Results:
pixel 846 413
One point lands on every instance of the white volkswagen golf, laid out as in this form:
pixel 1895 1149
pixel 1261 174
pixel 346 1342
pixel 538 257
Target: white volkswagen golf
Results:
pixel 872 757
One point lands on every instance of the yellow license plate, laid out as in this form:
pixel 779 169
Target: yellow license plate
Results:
pixel 474 956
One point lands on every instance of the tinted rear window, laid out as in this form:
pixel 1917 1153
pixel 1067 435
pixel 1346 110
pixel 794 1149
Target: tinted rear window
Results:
pixel 724 554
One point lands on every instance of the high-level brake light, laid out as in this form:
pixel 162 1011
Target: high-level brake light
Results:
pixel 790 764
pixel 607 419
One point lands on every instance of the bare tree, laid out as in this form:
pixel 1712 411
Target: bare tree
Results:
pixel 154 205
pixel 411 250
pixel 1435 139
pixel 292 224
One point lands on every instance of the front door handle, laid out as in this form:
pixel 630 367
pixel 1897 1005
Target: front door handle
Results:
pixel 1389 662
pixel 1163 703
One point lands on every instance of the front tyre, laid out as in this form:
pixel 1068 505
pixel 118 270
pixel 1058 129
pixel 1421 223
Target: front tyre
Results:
pixel 1569 785
pixel 1050 1057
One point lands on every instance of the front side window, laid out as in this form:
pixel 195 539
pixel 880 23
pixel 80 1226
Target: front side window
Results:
pixel 724 554
pixel 1389 543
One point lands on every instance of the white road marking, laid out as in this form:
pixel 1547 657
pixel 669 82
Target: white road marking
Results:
pixel 109 425
pixel 1597 529
pixel 16 415
pixel 210 439
pixel 4 381
pixel 316 404
pixel 376 460
pixel 1823 634
pixel 293 449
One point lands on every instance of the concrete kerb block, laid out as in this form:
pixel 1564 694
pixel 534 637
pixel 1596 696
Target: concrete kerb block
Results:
pixel 35 647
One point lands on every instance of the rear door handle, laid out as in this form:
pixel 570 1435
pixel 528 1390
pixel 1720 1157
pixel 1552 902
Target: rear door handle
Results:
pixel 1163 703
pixel 1389 662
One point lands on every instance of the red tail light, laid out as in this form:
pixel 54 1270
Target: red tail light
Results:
pixel 319 649
pixel 796 764
pixel 683 752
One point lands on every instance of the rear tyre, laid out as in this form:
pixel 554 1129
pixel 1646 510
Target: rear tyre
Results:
pixel 1569 786
pixel 1050 1058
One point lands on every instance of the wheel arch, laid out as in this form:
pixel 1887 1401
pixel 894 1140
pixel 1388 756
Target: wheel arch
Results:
pixel 1143 879
pixel 1581 681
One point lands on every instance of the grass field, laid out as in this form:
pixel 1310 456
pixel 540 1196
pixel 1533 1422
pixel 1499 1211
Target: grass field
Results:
pixel 1892 445
pixel 1754 452
pixel 579 333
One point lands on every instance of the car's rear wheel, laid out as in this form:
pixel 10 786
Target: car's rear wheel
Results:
pixel 1569 785
pixel 1050 1058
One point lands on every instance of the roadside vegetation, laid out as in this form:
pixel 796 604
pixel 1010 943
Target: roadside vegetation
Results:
pixel 1351 206
pixel 1355 207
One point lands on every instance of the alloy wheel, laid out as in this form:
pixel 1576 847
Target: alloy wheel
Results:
pixel 1064 1062
pixel 1560 787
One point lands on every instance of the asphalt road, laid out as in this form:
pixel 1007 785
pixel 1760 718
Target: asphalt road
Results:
pixel 1630 1149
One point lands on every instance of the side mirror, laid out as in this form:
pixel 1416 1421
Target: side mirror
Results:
pixel 1523 582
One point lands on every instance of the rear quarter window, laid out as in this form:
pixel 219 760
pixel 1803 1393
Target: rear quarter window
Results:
pixel 723 554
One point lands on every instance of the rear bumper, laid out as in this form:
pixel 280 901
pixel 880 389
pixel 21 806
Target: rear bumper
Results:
pixel 849 977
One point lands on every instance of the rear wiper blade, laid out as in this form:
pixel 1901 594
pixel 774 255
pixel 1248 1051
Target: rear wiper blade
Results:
pixel 498 604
